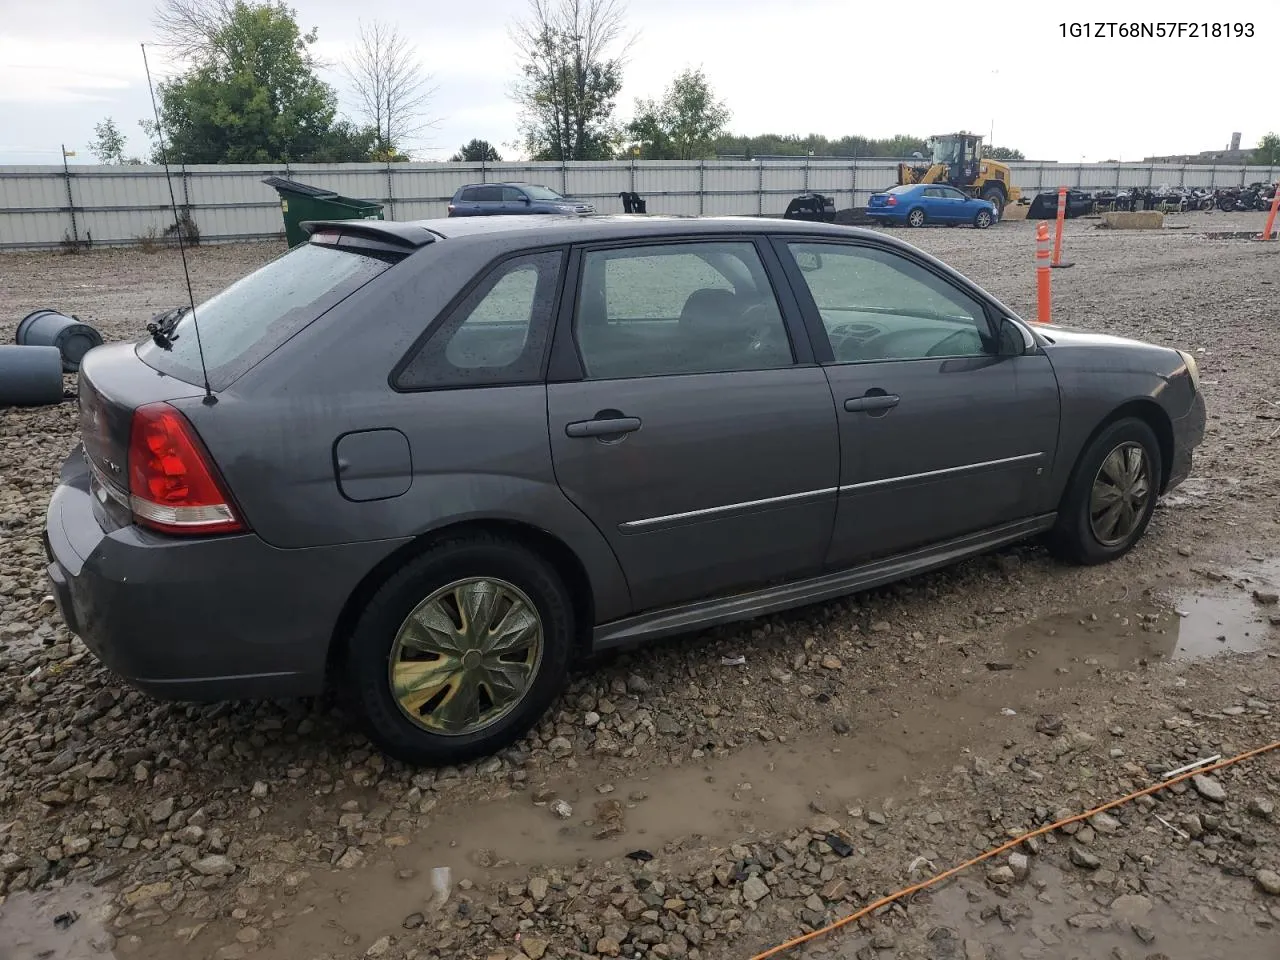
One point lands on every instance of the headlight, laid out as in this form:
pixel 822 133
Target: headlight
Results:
pixel 1192 368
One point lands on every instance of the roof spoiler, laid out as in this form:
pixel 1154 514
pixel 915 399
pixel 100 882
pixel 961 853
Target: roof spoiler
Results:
pixel 377 234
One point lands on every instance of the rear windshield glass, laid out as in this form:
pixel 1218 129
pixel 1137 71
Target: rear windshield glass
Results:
pixel 900 189
pixel 253 316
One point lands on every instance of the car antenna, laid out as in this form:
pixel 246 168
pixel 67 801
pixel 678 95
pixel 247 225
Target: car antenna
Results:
pixel 209 398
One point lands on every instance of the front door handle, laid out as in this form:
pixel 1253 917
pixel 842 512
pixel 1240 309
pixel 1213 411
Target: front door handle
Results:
pixel 883 401
pixel 609 427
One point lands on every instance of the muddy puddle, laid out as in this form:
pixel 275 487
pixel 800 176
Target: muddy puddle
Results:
pixel 60 924
pixel 1052 917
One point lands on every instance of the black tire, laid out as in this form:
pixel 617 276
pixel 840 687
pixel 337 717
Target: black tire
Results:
pixel 997 198
pixel 1073 538
pixel 916 218
pixel 370 646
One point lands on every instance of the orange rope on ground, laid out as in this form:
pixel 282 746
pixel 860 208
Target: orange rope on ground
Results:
pixel 907 891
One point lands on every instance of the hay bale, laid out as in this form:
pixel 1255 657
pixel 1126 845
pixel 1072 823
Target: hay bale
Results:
pixel 1134 220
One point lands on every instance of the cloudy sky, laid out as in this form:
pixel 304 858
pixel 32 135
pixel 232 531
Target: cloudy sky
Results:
pixel 799 66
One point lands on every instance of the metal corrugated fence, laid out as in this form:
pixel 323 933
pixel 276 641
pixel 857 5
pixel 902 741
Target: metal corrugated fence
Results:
pixel 44 206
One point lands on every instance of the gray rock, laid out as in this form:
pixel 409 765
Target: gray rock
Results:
pixel 1084 859
pixel 102 770
pixel 1131 907
pixel 1262 807
pixel 1089 921
pixel 1104 823
pixel 538 887
pixel 215 865
pixel 1000 875
pixel 637 684
pixel 379 948
pixel 163 810
pixel 561 809
pixel 754 890
pixel 1020 864
pixel 560 747
pixel 1269 882
pixel 1209 788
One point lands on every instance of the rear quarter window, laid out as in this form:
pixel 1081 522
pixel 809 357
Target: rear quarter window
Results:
pixel 259 312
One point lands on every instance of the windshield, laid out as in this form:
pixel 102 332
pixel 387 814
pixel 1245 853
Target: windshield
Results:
pixel 541 193
pixel 253 316
pixel 946 150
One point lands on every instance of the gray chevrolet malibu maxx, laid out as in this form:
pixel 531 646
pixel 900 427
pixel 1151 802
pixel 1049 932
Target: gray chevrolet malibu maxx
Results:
pixel 436 462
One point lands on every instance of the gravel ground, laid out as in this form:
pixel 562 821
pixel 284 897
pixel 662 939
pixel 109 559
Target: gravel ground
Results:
pixel 675 805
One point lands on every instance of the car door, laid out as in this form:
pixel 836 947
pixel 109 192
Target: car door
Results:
pixel 688 419
pixel 948 417
pixel 963 207
pixel 468 203
pixel 937 208
pixel 489 200
pixel 514 201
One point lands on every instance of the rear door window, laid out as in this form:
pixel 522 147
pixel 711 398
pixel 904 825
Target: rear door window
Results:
pixel 496 335
pixel 470 195
pixel 489 194
pixel 253 316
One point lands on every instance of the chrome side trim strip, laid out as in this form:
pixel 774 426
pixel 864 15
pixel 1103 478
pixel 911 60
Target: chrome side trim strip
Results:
pixel 633 525
pixel 867 484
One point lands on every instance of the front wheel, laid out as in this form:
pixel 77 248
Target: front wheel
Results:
pixel 1111 495
pixel 983 220
pixel 915 218
pixel 461 651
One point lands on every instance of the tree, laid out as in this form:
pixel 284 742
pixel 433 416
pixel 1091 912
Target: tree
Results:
pixel 108 142
pixel 1004 153
pixel 1267 152
pixel 572 54
pixel 684 126
pixel 253 96
pixel 196 30
pixel 391 86
pixel 477 151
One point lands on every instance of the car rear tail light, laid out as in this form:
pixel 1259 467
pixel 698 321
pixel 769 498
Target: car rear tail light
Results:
pixel 173 485
pixel 892 201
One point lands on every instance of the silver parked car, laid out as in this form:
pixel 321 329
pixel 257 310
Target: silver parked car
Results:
pixel 438 461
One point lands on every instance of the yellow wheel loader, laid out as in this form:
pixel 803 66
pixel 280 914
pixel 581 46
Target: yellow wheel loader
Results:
pixel 958 162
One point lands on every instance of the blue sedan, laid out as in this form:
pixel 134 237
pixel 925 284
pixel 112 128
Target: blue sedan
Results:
pixel 922 203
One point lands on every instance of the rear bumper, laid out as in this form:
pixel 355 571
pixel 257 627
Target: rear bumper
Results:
pixel 203 619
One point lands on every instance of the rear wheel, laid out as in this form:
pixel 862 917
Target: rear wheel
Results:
pixel 916 218
pixel 461 651
pixel 1111 495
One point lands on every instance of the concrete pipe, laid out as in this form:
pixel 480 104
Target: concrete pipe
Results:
pixel 30 376
pixel 49 328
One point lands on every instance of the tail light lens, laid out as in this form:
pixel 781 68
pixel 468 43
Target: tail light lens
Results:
pixel 892 201
pixel 173 485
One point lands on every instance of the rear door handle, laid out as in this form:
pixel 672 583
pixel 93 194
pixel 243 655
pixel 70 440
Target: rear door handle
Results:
pixel 615 426
pixel 882 401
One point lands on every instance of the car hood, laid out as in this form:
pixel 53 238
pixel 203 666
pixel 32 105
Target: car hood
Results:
pixel 1067 337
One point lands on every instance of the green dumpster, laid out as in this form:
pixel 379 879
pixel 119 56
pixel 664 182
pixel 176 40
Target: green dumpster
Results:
pixel 301 201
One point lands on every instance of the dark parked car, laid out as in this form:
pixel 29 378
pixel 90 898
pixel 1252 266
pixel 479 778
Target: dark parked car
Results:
pixel 497 199
pixel 438 461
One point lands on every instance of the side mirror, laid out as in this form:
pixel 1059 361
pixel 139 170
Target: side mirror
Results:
pixel 809 260
pixel 1012 340
pixel 525 200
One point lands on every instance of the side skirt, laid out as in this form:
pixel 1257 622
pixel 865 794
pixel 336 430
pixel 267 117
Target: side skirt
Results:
pixel 744 606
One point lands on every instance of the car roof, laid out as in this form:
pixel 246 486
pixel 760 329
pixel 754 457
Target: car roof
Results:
pixel 551 229
pixel 503 183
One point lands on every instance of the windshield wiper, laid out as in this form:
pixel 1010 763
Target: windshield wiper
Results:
pixel 162 326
